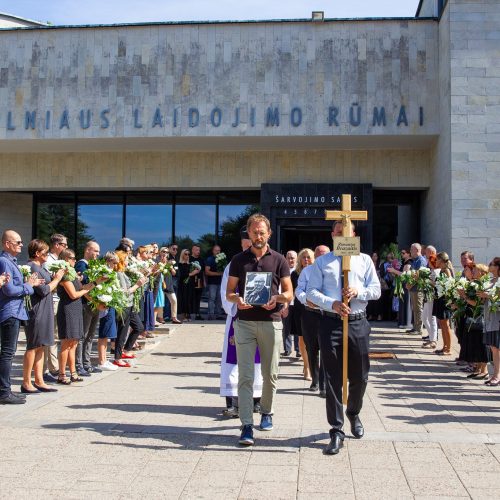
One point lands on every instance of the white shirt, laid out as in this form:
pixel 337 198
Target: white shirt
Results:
pixel 324 286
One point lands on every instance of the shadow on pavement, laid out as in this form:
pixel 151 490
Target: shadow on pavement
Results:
pixel 190 438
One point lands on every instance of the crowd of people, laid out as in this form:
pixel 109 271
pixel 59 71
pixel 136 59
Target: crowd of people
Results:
pixel 54 302
pixel 302 311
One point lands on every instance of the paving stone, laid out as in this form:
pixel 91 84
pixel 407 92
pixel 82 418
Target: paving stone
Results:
pixel 186 450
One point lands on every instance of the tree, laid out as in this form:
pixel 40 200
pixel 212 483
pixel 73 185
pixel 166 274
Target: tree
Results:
pixel 60 218
pixel 229 240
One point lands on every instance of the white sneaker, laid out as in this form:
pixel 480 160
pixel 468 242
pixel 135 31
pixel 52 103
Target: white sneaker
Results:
pixel 109 367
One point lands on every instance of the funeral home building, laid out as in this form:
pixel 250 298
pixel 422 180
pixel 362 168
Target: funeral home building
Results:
pixel 171 131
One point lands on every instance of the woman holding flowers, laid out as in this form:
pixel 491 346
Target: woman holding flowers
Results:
pixel 107 322
pixel 130 316
pixel 475 351
pixel 439 308
pixel 40 326
pixel 70 316
pixel 159 285
pixel 145 256
pixel 428 318
pixel 186 273
pixel 491 336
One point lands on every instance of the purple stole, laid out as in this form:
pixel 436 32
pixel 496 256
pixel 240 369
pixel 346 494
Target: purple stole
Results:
pixel 231 347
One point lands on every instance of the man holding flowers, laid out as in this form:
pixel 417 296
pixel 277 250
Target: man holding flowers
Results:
pixel 214 268
pixel 416 295
pixel 12 310
pixel 90 315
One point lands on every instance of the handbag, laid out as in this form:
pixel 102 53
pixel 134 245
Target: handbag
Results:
pixel 474 325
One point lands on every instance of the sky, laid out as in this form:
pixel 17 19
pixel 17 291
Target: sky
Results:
pixel 133 11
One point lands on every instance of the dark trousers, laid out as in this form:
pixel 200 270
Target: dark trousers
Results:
pixel 357 369
pixel 404 313
pixel 9 332
pixel 310 331
pixel 84 347
pixel 288 332
pixel 129 319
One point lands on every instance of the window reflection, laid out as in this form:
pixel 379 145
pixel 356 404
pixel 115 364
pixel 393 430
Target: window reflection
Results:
pixel 57 218
pixel 231 219
pixel 195 224
pixel 148 223
pixel 102 223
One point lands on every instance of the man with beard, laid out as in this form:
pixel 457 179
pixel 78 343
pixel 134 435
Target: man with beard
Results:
pixel 258 326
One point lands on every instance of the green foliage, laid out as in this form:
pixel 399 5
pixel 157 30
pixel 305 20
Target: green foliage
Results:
pixel 387 248
pixel 229 240
pixel 60 218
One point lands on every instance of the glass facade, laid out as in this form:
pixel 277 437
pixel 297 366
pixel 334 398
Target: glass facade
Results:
pixel 145 218
pixel 101 223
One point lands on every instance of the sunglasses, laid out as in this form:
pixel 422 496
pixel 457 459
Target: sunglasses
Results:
pixel 20 242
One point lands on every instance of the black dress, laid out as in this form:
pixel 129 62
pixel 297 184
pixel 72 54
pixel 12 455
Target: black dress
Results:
pixel 185 291
pixel 40 326
pixel 473 348
pixel 70 314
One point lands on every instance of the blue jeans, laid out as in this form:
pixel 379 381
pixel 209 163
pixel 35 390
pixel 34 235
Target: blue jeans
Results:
pixel 214 300
pixel 9 332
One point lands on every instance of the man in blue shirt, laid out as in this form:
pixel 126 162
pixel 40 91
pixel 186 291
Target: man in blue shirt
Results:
pixel 12 311
pixel 326 290
pixel 417 296
pixel 90 317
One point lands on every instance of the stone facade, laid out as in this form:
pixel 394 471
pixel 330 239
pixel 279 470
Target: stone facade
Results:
pixel 475 126
pixel 188 80
pixel 234 105
pixel 205 170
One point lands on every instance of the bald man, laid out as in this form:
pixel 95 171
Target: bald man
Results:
pixel 12 311
pixel 90 317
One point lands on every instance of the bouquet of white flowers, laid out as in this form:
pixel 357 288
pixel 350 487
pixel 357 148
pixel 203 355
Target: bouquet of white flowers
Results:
pixel 193 267
pixel 424 283
pixel 109 294
pixel 494 296
pixel 405 278
pixel 26 272
pixel 164 268
pixel 97 269
pixel 136 270
pixel 70 273
pixel 221 262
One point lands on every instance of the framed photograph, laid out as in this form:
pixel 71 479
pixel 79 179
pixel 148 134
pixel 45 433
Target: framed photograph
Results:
pixel 257 288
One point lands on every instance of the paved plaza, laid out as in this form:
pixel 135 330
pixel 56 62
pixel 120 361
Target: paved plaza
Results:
pixel 156 431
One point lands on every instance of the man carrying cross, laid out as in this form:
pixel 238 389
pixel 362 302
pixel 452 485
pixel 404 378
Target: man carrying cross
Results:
pixel 336 301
